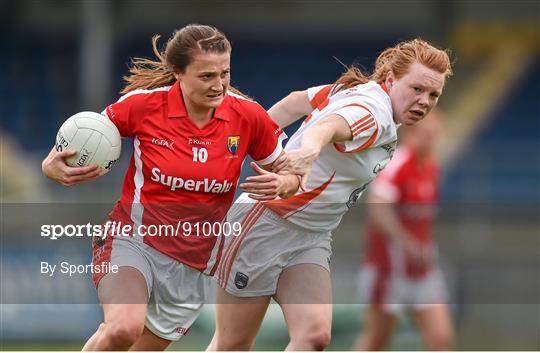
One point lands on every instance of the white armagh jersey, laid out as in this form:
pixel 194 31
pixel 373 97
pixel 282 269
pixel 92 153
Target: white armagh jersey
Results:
pixel 342 171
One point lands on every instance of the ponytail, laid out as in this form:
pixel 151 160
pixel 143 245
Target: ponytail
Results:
pixel 350 78
pixel 149 74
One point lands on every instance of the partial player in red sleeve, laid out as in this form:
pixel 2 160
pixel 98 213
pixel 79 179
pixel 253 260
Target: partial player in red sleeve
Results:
pixel 400 270
pixel 191 133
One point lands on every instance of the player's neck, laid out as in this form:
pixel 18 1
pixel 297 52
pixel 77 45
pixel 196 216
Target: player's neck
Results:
pixel 200 116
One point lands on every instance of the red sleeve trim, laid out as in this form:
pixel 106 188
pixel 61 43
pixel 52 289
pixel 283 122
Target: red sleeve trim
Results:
pixel 366 125
pixel 361 121
pixel 366 145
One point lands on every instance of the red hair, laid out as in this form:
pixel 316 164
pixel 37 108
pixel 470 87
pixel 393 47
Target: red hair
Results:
pixel 399 59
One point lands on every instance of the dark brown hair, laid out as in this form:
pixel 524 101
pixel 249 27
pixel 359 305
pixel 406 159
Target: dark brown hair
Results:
pixel 149 74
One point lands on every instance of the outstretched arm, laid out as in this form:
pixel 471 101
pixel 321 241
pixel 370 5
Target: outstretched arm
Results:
pixel 330 130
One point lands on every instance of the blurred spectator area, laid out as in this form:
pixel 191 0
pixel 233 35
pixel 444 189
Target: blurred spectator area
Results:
pixel 501 160
pixel 492 145
pixel 61 57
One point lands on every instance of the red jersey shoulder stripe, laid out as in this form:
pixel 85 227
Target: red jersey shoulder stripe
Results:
pixel 321 96
pixel 320 101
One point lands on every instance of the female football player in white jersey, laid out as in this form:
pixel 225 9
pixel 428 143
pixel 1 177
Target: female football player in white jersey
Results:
pixel 349 136
pixel 190 136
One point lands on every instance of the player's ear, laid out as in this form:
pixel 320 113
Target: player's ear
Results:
pixel 390 78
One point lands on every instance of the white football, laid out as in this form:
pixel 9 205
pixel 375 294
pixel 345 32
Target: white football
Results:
pixel 95 138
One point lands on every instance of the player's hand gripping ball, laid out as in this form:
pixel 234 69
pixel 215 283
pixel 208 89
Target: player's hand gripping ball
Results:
pixel 93 136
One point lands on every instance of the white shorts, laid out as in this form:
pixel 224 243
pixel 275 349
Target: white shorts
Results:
pixel 253 261
pixel 394 292
pixel 176 291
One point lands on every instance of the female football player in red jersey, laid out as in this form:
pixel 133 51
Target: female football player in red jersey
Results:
pixel 191 133
pixel 348 137
pixel 399 270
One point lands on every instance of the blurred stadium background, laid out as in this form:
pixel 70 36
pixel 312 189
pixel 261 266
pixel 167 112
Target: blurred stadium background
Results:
pixel 61 57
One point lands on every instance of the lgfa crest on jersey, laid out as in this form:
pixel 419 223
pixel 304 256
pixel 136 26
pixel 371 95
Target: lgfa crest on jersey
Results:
pixel 232 143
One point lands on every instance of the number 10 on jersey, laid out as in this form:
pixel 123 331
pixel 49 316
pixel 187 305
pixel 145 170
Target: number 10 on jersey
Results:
pixel 199 154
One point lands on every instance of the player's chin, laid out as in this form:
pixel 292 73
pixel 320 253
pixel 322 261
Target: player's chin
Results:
pixel 411 120
pixel 214 102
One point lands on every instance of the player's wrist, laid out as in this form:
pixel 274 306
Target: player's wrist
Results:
pixel 292 184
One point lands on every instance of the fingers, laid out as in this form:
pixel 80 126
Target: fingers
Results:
pixel 261 191
pixel 81 171
pixel 261 182
pixel 261 178
pixel 261 187
pixel 251 187
pixel 66 153
pixel 256 186
pixel 279 164
pixel 258 169
pixel 303 182
pixel 79 179
pixel 68 171
pixel 72 171
pixel 55 167
pixel 262 197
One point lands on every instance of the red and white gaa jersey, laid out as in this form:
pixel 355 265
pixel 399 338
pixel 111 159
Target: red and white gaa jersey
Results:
pixel 413 188
pixel 343 170
pixel 184 176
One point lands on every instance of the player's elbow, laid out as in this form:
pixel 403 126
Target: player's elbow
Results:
pixel 299 104
pixel 295 95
